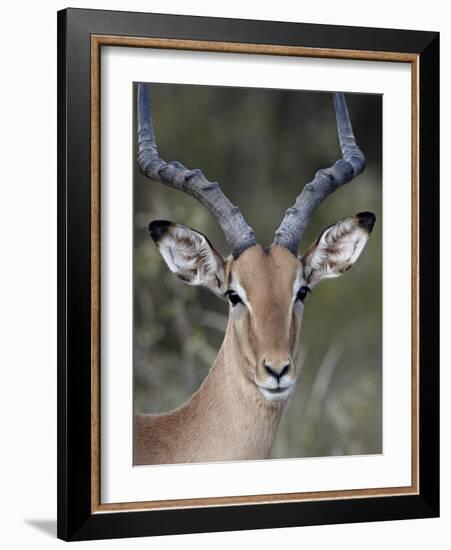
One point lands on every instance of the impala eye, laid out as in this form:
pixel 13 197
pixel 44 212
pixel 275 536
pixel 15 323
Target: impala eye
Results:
pixel 302 293
pixel 234 298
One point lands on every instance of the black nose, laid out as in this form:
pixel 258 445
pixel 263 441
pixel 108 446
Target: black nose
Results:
pixel 277 373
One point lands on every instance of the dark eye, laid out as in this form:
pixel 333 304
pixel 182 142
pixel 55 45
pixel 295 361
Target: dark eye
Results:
pixel 233 297
pixel 302 293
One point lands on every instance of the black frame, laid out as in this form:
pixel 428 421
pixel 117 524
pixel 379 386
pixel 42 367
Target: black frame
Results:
pixel 75 520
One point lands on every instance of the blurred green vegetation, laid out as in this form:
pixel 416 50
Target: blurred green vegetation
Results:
pixel 263 146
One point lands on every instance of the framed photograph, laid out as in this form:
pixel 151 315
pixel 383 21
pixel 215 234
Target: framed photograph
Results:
pixel 221 366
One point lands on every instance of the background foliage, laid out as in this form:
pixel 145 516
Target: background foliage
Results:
pixel 263 146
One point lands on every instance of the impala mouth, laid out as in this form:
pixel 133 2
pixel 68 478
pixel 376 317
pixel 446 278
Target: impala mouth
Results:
pixel 276 394
pixel 276 390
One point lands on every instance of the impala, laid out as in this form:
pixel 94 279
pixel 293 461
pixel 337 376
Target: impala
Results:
pixel 235 413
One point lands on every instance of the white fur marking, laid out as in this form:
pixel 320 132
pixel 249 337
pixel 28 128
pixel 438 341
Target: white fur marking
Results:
pixel 189 255
pixel 338 248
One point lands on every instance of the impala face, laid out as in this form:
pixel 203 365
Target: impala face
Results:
pixel 266 290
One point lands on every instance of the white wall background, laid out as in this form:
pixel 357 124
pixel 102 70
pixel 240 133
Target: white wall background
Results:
pixel 28 271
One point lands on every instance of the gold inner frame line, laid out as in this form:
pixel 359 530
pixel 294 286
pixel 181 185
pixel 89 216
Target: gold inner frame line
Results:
pixel 97 41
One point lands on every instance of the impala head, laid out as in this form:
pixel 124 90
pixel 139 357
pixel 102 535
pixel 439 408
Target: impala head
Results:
pixel 266 287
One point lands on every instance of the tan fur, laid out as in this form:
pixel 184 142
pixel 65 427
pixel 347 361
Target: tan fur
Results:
pixel 235 413
pixel 228 418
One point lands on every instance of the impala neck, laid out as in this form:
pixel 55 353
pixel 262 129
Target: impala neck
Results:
pixel 234 412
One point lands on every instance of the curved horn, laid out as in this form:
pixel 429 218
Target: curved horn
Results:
pixel 325 182
pixel 238 233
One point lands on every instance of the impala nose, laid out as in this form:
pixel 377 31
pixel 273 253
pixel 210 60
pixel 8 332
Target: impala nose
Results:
pixel 277 373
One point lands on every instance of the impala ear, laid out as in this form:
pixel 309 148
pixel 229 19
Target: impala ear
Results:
pixel 337 248
pixel 189 255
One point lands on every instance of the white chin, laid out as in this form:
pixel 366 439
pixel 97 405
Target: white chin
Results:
pixel 272 395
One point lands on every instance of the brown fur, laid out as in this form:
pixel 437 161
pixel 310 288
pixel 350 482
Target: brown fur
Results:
pixel 228 418
pixel 234 415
